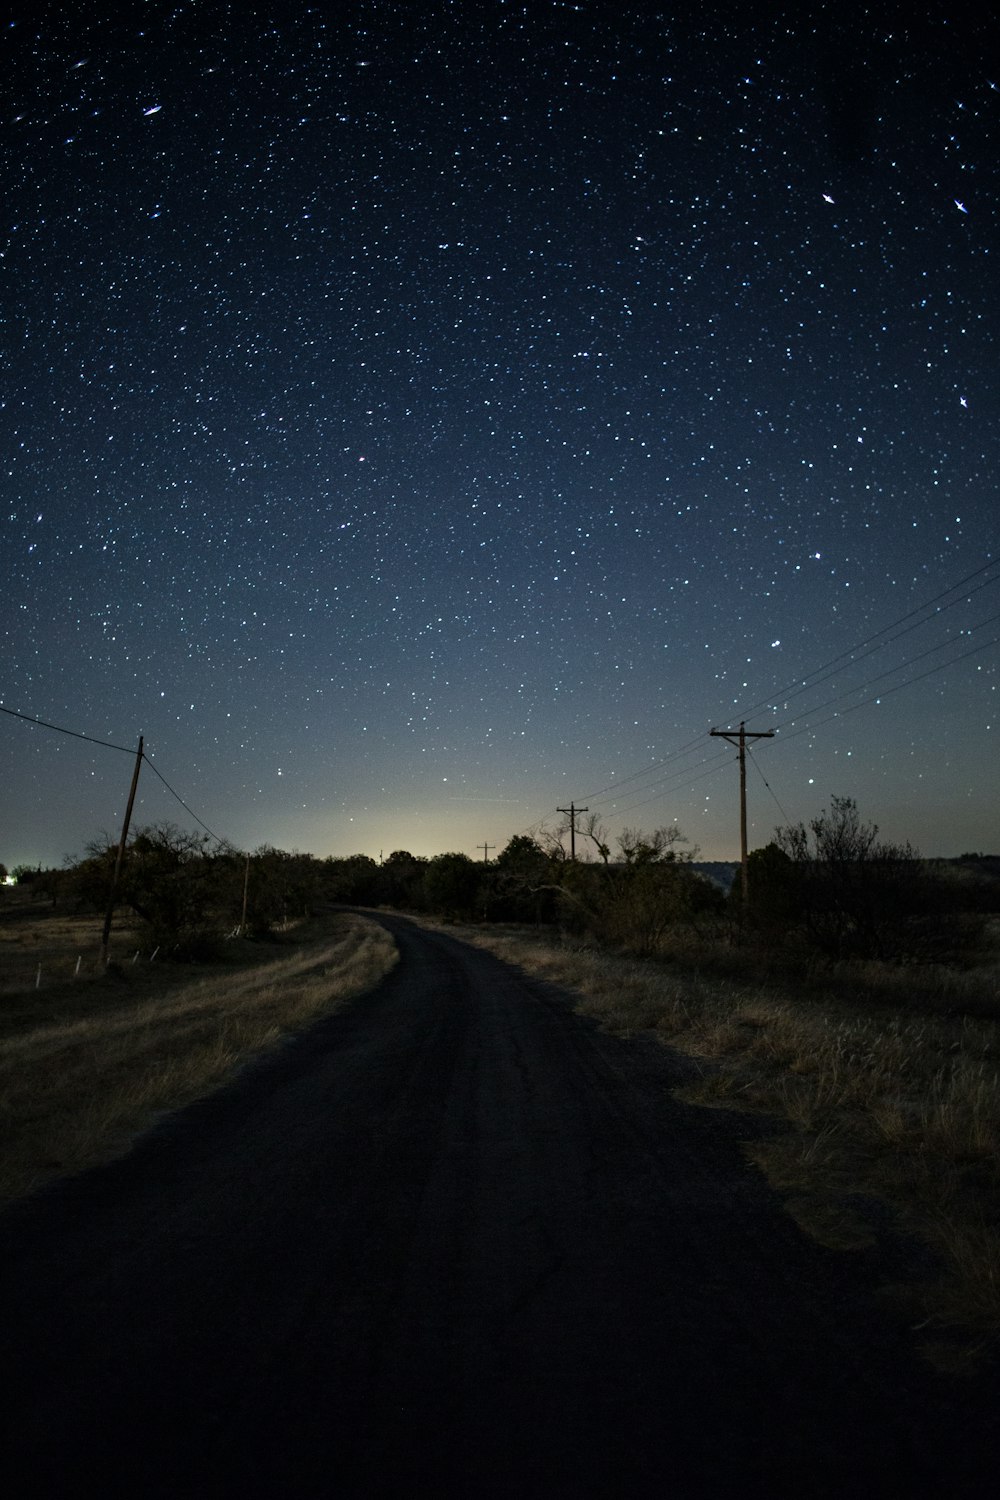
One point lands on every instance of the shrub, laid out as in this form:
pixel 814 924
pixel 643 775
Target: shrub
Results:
pixel 847 892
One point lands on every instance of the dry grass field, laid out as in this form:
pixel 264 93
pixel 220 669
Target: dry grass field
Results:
pixel 88 1062
pixel 887 1081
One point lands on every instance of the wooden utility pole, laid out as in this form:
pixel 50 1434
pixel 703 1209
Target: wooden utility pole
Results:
pixel 572 810
pixel 739 739
pixel 486 851
pixel 106 938
pixel 246 891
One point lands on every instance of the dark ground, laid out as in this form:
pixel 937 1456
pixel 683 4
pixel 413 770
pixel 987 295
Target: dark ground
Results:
pixel 457 1241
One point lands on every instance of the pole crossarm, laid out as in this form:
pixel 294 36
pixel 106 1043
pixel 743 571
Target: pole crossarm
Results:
pixel 736 737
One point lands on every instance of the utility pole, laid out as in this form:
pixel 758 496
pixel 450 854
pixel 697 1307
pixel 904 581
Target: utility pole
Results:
pixel 739 739
pixel 246 889
pixel 486 851
pixel 106 937
pixel 572 810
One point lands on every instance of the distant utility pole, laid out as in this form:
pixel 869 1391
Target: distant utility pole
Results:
pixel 739 739
pixel 246 891
pixel 486 851
pixel 572 810
pixel 106 936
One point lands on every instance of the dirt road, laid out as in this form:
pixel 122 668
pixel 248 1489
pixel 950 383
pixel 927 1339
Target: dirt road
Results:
pixel 455 1241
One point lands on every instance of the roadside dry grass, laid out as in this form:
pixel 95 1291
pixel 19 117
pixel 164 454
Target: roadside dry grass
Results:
pixel 86 1065
pixel 47 948
pixel 892 1102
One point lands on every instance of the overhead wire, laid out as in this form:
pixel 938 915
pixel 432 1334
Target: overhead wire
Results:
pixel 867 647
pixel 673 772
pixel 856 653
pixel 760 773
pixel 73 733
pixel 711 770
pixel 676 776
pixel 912 661
pixel 887 692
pixel 670 755
pixel 876 698
pixel 870 644
pixel 674 779
pixel 108 745
pixel 180 799
pixel 681 779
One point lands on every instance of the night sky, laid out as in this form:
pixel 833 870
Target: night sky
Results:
pixel 415 417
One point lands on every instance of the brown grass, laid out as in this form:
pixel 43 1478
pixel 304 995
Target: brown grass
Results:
pixel 889 1099
pixel 87 1065
pixel 41 946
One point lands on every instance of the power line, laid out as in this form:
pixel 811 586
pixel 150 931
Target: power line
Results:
pixel 753 761
pixel 670 755
pixel 73 733
pixel 680 780
pixel 713 770
pixel 793 689
pixel 857 654
pixel 107 745
pixel 798 686
pixel 183 804
pixel 801 684
pixel 887 692
pixel 890 671
pixel 822 673
pixel 676 779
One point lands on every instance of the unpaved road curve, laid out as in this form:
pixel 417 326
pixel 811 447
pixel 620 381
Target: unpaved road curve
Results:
pixel 455 1241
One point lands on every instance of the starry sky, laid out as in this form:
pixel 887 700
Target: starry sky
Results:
pixel 417 417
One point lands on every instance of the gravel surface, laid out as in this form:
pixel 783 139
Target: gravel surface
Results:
pixel 455 1240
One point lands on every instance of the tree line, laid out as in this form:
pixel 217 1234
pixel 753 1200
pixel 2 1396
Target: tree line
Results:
pixel 832 888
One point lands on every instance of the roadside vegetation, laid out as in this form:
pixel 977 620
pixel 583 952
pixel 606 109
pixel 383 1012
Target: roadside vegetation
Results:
pixel 88 1063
